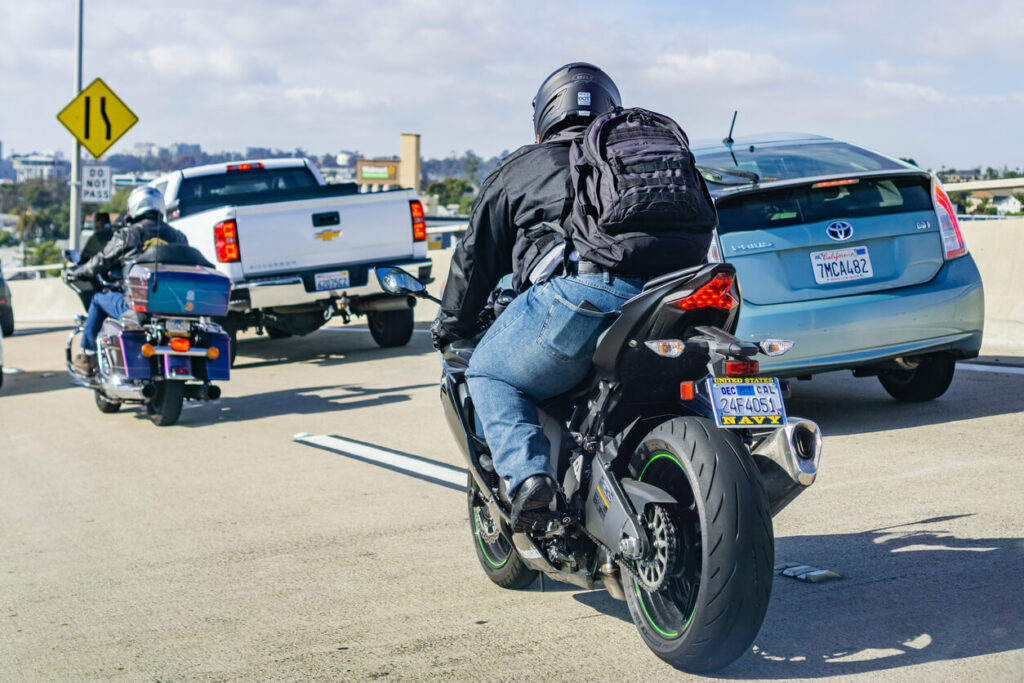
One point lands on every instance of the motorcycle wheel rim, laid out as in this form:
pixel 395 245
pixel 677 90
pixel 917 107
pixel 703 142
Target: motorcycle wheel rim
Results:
pixel 670 610
pixel 496 554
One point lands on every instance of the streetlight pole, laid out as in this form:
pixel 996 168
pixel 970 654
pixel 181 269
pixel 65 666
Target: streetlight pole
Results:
pixel 75 229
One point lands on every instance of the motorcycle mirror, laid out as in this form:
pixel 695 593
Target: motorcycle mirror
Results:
pixel 72 255
pixel 397 281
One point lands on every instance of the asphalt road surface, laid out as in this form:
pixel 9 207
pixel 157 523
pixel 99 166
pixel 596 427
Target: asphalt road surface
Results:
pixel 225 549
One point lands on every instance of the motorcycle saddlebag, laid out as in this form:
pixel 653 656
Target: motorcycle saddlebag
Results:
pixel 169 289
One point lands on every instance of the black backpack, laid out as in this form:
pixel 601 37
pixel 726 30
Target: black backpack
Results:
pixel 639 205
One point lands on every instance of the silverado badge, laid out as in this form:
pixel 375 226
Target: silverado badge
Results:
pixel 327 235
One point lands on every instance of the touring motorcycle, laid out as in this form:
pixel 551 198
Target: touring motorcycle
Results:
pixel 673 457
pixel 165 348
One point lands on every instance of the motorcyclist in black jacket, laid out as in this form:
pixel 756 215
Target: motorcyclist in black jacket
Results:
pixel 542 344
pixel 146 228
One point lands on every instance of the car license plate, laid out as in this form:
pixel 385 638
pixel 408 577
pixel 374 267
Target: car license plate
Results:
pixel 747 402
pixel 337 279
pixel 841 265
pixel 177 326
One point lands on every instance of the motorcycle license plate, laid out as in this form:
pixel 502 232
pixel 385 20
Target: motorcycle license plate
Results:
pixel 747 402
pixel 177 326
pixel 337 279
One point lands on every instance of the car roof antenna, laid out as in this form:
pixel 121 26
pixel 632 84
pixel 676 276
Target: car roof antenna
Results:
pixel 728 138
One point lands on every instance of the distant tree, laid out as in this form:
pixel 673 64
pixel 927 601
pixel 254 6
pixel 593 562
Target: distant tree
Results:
pixel 471 165
pixel 44 253
pixel 328 161
pixel 6 238
pixel 466 205
pixel 991 174
pixel 449 190
pixel 118 201
pixel 909 161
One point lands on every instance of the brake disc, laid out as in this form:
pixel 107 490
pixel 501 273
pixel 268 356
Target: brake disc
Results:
pixel 653 570
pixel 485 526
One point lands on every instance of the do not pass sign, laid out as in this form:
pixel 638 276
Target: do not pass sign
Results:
pixel 96 184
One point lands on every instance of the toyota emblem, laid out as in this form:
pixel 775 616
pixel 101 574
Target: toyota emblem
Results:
pixel 840 231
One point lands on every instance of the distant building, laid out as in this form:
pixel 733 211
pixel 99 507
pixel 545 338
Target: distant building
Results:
pixel 257 152
pixel 178 149
pixel 1004 201
pixel 6 167
pixel 133 179
pixel 144 150
pixel 950 175
pixel 30 166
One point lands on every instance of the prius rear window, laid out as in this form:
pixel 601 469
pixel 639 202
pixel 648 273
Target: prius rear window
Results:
pixel 788 162
pixel 802 204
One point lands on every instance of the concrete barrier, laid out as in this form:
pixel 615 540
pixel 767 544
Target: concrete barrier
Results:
pixel 997 247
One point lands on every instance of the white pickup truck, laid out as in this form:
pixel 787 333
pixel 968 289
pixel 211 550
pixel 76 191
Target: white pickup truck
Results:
pixel 297 250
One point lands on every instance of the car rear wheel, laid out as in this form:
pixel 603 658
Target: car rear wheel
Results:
pixel 7 321
pixel 926 382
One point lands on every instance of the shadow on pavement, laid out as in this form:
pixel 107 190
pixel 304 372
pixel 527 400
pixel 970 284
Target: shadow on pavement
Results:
pixel 324 348
pixel 910 594
pixel 24 383
pixel 304 401
pixel 842 404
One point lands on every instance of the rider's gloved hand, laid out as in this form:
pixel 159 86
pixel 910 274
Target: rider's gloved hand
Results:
pixel 440 336
pixel 69 274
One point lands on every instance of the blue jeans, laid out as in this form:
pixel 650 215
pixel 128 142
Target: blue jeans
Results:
pixel 103 304
pixel 540 347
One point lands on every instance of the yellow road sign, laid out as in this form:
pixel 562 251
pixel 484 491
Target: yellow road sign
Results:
pixel 97 118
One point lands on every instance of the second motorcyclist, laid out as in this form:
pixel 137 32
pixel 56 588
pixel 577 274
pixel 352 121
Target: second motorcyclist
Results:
pixel 146 228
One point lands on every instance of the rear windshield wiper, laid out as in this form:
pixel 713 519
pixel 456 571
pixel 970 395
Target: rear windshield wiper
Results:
pixel 716 175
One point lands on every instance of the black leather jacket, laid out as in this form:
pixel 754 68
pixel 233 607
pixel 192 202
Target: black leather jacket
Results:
pixel 126 244
pixel 527 188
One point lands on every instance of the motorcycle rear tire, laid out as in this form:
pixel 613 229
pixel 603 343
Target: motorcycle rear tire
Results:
pixel 105 405
pixel 707 613
pixel 164 408
pixel 500 560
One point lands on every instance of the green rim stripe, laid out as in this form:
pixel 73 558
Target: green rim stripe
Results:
pixel 480 541
pixel 661 454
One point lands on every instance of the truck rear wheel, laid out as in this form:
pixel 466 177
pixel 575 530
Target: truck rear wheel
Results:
pixel 391 328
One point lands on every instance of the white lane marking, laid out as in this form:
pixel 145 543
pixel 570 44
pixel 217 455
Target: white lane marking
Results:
pixel 11 371
pixel 977 367
pixel 445 473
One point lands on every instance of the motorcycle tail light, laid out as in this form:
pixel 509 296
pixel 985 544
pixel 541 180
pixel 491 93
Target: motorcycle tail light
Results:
pixel 741 368
pixel 180 345
pixel 714 294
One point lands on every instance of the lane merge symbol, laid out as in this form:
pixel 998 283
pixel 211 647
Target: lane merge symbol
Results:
pixel 97 118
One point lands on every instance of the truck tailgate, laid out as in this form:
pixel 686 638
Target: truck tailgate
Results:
pixel 313 233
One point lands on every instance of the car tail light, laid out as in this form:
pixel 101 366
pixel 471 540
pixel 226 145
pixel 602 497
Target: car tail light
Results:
pixel 714 294
pixel 419 223
pixel 741 368
pixel 225 237
pixel 180 345
pixel 949 228
pixel 245 167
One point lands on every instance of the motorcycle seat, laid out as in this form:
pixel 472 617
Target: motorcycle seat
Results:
pixel 176 254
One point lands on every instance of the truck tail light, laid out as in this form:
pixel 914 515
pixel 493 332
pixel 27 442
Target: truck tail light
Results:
pixel 714 294
pixel 949 228
pixel 419 223
pixel 225 238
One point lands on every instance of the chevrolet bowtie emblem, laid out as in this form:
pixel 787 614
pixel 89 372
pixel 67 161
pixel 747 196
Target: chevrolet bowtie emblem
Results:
pixel 327 235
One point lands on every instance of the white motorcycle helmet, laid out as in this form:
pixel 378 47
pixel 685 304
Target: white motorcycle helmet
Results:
pixel 143 200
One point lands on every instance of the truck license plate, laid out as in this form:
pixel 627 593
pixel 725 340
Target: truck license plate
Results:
pixel 747 402
pixel 841 265
pixel 337 279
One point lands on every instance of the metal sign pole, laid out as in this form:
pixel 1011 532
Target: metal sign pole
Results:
pixel 75 228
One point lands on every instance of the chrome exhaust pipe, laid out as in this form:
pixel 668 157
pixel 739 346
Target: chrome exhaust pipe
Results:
pixel 202 392
pixel 122 391
pixel 788 461
pixel 381 302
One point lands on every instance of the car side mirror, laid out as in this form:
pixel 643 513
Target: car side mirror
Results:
pixel 397 281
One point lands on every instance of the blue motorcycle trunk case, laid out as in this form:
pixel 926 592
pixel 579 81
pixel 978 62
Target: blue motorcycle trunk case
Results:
pixel 167 289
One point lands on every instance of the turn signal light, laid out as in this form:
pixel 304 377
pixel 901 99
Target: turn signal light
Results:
pixel 225 239
pixel 714 294
pixel 741 368
pixel 213 353
pixel 180 345
pixel 419 223
pixel 669 348
pixel 147 351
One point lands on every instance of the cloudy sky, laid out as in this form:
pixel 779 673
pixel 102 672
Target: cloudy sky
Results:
pixel 938 81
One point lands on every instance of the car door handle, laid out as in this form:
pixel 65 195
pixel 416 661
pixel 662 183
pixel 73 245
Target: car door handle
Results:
pixel 327 218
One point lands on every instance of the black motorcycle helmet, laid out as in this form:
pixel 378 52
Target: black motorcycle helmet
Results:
pixel 573 94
